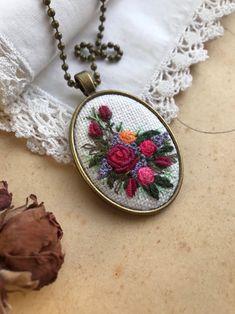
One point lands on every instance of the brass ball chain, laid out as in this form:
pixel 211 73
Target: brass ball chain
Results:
pixel 110 51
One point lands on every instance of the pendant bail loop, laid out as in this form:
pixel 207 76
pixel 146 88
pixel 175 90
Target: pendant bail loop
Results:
pixel 85 82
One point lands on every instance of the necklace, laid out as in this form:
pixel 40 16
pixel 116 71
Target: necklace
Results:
pixel 121 146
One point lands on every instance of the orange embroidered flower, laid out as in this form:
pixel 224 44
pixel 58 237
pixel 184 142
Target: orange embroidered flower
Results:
pixel 127 137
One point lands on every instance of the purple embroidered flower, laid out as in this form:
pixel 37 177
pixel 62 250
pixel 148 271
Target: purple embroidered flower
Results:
pixel 141 163
pixel 160 139
pixel 104 170
pixel 134 146
pixel 116 140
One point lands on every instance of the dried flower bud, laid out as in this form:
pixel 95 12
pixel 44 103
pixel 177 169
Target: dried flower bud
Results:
pixel 30 242
pixel 5 196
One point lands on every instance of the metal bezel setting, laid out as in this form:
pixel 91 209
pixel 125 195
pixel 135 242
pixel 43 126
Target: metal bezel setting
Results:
pixel 83 173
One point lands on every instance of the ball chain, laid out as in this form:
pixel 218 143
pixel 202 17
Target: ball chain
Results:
pixel 85 51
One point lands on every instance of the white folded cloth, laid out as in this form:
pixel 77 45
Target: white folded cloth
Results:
pixel 160 39
pixel 25 24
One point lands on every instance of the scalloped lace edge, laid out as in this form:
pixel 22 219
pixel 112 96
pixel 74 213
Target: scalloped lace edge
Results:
pixel 31 113
pixel 173 75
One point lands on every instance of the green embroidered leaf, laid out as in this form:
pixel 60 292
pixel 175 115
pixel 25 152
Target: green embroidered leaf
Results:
pixel 125 183
pixel 92 163
pixel 152 190
pixel 118 187
pixel 91 118
pixel 163 182
pixel 101 143
pixel 126 180
pixel 119 127
pixel 164 150
pixel 152 165
pixel 95 160
pixel 113 177
pixel 146 135
pixel 110 181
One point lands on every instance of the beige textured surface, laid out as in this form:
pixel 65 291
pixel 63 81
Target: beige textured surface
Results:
pixel 179 261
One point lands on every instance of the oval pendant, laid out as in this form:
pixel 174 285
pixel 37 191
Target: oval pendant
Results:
pixel 126 152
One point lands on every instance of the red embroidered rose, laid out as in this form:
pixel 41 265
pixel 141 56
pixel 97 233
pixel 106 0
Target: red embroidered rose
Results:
pixel 163 161
pixel 95 130
pixel 148 148
pixel 121 158
pixel 145 175
pixel 131 187
pixel 105 113
pixel 5 196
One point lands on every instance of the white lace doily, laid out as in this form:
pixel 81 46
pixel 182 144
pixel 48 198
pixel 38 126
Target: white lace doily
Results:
pixel 44 121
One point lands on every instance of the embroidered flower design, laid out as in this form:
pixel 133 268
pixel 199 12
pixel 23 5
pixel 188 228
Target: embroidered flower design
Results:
pixel 148 148
pixel 127 137
pixel 163 161
pixel 129 161
pixel 131 187
pixel 121 158
pixel 95 130
pixel 145 176
pixel 105 113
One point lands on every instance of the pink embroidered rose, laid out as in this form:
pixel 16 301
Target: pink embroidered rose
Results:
pixel 163 161
pixel 148 148
pixel 131 187
pixel 121 158
pixel 145 176
pixel 94 129
pixel 105 113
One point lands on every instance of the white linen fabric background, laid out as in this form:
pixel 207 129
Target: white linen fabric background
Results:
pixel 160 39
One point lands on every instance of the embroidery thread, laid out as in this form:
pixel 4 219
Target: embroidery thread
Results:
pixel 129 160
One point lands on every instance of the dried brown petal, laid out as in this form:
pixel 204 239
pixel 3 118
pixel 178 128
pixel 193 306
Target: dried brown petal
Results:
pixel 13 281
pixel 4 306
pixel 30 241
pixel 5 196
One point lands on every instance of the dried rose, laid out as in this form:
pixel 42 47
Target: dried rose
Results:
pixel 105 113
pixel 148 148
pixel 163 161
pixel 131 187
pixel 145 176
pixel 5 196
pixel 95 130
pixel 30 241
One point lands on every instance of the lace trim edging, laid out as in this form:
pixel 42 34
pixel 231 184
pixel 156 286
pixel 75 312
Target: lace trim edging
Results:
pixel 15 72
pixel 173 74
